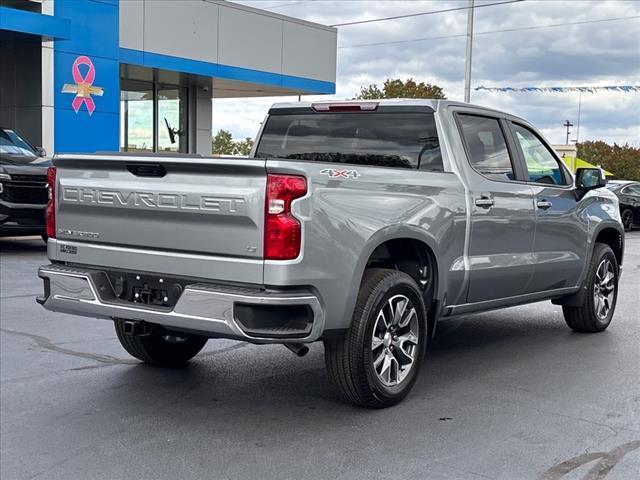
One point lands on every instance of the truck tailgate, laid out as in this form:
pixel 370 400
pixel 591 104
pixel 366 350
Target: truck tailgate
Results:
pixel 210 207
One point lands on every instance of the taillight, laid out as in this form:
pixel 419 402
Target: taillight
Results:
pixel 282 235
pixel 50 212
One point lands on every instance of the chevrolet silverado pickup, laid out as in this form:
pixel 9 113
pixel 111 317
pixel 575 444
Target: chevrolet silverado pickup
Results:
pixel 358 224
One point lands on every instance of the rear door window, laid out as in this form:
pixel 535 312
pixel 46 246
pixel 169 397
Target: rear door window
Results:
pixel 385 139
pixel 486 146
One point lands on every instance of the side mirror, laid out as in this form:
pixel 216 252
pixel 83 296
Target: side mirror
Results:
pixel 590 178
pixel 41 152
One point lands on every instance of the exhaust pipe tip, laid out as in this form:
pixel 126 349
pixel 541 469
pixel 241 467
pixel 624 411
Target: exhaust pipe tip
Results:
pixel 300 349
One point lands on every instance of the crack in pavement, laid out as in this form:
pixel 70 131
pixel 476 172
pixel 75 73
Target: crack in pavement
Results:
pixel 224 350
pixel 46 344
pixel 607 460
pixel 22 295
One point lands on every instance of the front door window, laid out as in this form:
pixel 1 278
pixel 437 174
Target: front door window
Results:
pixel 542 166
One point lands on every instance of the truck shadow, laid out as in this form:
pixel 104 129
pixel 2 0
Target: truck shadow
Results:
pixel 21 245
pixel 269 379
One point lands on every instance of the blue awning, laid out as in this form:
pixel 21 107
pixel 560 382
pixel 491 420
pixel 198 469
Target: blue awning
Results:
pixel 22 21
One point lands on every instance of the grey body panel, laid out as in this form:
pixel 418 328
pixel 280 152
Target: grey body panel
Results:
pixel 562 231
pixel 344 220
pixel 486 258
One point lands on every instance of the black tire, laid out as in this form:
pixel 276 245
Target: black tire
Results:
pixel 627 220
pixel 349 359
pixel 156 349
pixel 584 318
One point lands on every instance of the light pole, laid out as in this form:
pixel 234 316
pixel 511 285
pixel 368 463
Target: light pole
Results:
pixel 567 124
pixel 467 64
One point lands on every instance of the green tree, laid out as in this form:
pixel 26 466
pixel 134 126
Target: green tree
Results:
pixel 396 88
pixel 621 160
pixel 243 147
pixel 223 143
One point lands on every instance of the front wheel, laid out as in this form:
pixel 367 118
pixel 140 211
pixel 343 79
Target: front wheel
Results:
pixel 160 348
pixel 376 363
pixel 601 294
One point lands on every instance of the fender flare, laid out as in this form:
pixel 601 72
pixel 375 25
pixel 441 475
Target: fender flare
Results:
pixel 577 299
pixel 391 232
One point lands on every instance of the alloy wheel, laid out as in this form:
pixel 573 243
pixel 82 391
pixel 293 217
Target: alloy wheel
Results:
pixel 604 289
pixel 394 345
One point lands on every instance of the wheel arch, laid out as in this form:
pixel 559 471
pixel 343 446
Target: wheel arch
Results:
pixel 608 234
pixel 405 249
pixel 612 236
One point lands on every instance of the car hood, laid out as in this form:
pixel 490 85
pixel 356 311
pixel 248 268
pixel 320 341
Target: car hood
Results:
pixel 23 165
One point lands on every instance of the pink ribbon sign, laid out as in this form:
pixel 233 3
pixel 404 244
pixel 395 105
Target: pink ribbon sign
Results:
pixel 83 88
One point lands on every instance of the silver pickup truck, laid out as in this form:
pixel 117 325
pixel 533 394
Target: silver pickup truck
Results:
pixel 359 224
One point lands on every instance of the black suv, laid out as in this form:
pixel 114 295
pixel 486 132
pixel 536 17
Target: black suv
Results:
pixel 23 186
pixel 628 194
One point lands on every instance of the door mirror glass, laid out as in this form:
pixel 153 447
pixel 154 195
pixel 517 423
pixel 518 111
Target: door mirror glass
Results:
pixel 590 178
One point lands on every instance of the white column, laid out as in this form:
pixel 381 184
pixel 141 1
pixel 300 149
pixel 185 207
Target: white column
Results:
pixel 47 87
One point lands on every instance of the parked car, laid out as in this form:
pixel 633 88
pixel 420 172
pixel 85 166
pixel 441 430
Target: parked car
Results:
pixel 628 194
pixel 359 224
pixel 23 186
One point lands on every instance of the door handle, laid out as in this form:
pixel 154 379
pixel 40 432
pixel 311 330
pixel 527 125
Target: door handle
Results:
pixel 484 202
pixel 543 204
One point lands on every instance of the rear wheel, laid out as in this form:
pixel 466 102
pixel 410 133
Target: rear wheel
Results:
pixel 376 363
pixel 160 348
pixel 627 220
pixel 601 294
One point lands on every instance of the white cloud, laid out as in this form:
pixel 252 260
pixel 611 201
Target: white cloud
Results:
pixel 593 54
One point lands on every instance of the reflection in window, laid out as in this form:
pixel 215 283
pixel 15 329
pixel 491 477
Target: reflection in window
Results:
pixel 541 164
pixel 385 139
pixel 136 118
pixel 171 119
pixel 152 117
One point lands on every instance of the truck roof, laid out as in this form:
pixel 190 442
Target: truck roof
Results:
pixel 390 102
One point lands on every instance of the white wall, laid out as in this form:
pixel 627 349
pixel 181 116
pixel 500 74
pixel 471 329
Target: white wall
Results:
pixel 230 34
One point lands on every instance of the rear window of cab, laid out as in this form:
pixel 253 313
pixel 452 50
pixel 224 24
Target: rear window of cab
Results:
pixel 384 139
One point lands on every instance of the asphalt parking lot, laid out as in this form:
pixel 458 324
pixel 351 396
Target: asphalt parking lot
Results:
pixel 512 394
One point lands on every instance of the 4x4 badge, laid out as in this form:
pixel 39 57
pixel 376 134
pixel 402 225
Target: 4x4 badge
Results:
pixel 334 173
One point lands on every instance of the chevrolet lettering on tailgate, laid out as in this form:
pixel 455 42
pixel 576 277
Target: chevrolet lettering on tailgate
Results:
pixel 119 198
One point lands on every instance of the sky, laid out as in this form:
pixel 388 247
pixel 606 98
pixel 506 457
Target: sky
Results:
pixel 603 53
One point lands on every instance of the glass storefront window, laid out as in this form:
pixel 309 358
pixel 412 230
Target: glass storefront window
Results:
pixel 152 117
pixel 136 117
pixel 171 119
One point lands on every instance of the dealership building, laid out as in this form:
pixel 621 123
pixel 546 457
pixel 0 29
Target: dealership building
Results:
pixel 140 75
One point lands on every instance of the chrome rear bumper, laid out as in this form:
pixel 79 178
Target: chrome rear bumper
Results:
pixel 202 308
